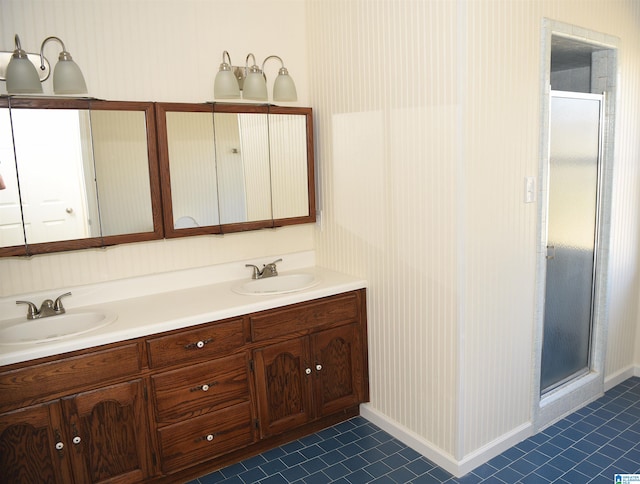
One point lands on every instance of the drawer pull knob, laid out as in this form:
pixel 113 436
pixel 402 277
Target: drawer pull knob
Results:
pixel 318 367
pixel 308 371
pixel 206 387
pixel 77 440
pixel 59 446
pixel 198 344
pixel 209 437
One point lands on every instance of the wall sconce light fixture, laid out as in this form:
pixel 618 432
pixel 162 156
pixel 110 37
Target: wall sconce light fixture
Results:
pixel 25 72
pixel 251 81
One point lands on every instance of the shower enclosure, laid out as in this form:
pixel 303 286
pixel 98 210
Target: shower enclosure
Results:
pixel 572 228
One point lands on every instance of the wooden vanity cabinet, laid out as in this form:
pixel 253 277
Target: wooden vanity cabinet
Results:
pixel 318 372
pixel 201 393
pixel 32 446
pixel 171 406
pixel 79 433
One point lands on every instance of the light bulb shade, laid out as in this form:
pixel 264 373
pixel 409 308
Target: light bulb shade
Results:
pixel 225 85
pixel 67 77
pixel 283 88
pixel 22 77
pixel 255 87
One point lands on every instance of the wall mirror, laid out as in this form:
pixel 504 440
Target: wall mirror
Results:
pixel 234 167
pixel 78 173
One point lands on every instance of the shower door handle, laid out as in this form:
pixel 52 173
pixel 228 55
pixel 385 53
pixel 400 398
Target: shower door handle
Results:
pixel 551 252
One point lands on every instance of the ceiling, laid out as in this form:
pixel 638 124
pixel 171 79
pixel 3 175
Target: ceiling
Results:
pixel 569 53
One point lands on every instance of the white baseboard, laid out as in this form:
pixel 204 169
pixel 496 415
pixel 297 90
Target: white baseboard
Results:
pixel 438 456
pixel 611 381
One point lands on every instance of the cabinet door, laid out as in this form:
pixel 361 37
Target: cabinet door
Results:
pixel 33 447
pixel 109 432
pixel 337 367
pixel 282 383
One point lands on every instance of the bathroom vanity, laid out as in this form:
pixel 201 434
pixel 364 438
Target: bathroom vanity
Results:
pixel 184 396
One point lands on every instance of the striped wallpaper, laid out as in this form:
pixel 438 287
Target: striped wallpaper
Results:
pixel 428 121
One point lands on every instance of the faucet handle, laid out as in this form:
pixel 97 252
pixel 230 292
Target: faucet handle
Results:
pixel 32 310
pixel 256 271
pixel 57 306
pixel 270 269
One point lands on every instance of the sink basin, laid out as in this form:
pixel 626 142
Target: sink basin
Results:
pixel 280 284
pixel 44 330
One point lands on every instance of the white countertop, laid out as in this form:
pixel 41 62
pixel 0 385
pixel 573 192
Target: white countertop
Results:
pixel 169 309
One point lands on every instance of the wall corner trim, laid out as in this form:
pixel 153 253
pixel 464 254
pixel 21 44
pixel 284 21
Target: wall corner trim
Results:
pixel 440 457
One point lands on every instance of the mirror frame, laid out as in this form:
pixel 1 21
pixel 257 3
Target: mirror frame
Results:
pixel 165 177
pixel 154 178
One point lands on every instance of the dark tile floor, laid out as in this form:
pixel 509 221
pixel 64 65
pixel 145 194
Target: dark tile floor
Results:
pixel 590 445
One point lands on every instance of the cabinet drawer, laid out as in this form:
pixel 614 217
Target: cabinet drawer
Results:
pixel 182 393
pixel 24 386
pixel 205 437
pixel 301 318
pixel 195 345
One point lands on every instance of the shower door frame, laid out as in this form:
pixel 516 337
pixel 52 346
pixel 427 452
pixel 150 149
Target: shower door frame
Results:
pixel 601 99
pixel 548 408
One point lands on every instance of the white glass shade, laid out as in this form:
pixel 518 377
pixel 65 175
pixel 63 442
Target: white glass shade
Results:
pixel 22 77
pixel 67 78
pixel 283 88
pixel 255 87
pixel 225 85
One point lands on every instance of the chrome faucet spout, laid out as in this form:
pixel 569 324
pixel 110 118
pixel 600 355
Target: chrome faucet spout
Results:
pixel 268 270
pixel 47 308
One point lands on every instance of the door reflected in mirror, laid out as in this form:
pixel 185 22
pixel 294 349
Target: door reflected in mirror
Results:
pixel 11 229
pixel 55 174
pixel 85 174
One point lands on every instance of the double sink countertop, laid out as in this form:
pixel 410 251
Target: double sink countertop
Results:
pixel 166 302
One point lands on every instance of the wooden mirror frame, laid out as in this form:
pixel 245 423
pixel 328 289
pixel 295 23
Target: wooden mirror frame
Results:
pixel 165 178
pixel 154 179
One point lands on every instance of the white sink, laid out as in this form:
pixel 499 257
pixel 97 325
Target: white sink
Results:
pixel 52 328
pixel 280 284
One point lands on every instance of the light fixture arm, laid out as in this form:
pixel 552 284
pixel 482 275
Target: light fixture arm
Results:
pixel 246 61
pixel 18 53
pixel 226 66
pixel 273 57
pixel 64 55
pixel 254 67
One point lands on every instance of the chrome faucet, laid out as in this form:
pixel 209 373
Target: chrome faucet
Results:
pixel 47 308
pixel 268 270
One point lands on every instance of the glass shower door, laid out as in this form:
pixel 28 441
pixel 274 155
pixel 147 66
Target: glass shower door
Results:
pixel 575 121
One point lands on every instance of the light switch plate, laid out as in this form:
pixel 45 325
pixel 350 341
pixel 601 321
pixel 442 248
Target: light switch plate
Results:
pixel 529 189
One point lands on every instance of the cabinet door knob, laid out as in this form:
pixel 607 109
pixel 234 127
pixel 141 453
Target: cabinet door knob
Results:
pixel 77 440
pixel 308 371
pixel 59 446
pixel 318 367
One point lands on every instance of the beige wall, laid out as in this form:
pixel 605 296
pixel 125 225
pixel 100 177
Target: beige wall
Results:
pixel 158 50
pixel 429 121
